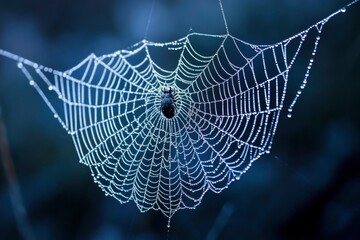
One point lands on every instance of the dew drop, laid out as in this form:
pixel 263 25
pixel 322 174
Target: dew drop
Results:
pixel 343 10
pixel 20 65
pixel 32 83
pixel 289 115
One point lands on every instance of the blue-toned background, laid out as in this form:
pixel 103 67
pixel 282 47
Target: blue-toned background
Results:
pixel 308 187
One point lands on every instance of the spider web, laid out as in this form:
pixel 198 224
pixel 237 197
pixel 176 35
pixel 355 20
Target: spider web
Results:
pixel 229 98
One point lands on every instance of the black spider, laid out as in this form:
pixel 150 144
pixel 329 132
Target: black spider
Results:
pixel 168 106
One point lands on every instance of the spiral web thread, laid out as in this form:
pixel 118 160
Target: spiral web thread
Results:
pixel 228 101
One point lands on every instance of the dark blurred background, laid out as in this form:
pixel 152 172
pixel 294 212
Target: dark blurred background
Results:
pixel 308 187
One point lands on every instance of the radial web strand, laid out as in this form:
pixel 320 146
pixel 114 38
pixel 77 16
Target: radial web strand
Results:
pixel 228 100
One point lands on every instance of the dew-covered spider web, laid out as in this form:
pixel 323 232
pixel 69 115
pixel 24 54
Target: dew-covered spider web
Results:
pixel 228 95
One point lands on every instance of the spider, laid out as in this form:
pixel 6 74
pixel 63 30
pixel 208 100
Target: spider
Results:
pixel 168 106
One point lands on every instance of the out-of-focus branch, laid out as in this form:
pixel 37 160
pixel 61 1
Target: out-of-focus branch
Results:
pixel 221 221
pixel 14 190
